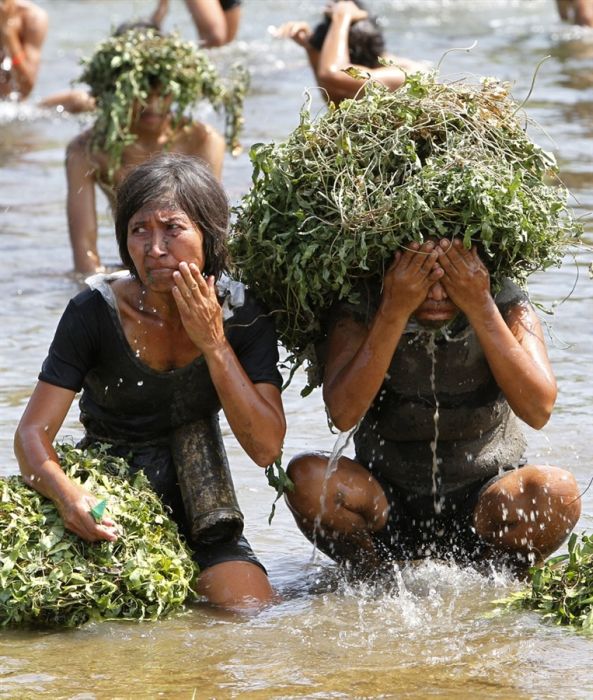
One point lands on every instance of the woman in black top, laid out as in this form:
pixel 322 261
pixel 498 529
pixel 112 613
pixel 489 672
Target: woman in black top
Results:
pixel 158 348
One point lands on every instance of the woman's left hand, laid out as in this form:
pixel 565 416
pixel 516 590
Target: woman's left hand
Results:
pixel 198 306
pixel 466 279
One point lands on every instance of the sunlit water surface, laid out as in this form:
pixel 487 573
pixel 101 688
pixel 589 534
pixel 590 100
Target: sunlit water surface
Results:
pixel 425 634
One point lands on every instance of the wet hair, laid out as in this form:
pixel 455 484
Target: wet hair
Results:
pixel 366 43
pixel 181 181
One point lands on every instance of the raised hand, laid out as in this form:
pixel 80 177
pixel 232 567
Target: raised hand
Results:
pixel 465 277
pixel 410 276
pixel 198 306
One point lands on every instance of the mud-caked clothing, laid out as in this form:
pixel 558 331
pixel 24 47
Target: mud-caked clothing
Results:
pixel 439 428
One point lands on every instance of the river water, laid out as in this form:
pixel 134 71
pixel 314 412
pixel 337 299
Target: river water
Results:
pixel 428 634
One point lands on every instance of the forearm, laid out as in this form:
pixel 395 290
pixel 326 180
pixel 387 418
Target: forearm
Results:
pixel 335 53
pixel 39 463
pixel 257 423
pixel 349 393
pixel 528 386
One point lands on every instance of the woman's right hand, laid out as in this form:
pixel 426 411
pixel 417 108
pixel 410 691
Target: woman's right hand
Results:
pixel 409 278
pixel 75 511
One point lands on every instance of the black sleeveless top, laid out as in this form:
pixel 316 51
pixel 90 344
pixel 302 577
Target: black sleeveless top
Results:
pixel 475 433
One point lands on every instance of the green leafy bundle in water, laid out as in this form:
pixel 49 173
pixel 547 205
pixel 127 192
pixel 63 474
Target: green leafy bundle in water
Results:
pixel 125 68
pixel 329 207
pixel 49 576
pixel 562 589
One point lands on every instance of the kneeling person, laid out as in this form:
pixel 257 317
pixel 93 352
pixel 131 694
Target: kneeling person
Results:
pixel 439 466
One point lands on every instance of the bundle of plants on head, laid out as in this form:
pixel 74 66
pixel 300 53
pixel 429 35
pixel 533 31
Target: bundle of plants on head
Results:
pixel 126 67
pixel 562 589
pixel 330 206
pixel 49 576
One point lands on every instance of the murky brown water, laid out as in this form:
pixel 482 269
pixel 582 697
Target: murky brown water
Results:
pixel 428 635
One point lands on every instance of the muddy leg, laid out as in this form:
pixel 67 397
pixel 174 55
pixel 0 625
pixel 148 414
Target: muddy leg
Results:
pixel 529 511
pixel 338 513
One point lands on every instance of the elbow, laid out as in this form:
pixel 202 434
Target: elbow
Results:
pixel 341 419
pixel 340 411
pixel 268 452
pixel 540 411
pixel 538 418
pixel 267 455
pixel 343 423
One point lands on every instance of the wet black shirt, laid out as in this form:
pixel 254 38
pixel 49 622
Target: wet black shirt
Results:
pixel 125 401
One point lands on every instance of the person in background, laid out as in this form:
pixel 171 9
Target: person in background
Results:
pixel 100 156
pixel 154 350
pixel 348 37
pixel 576 11
pixel 23 28
pixel 78 101
pixel 217 21
pixel 439 467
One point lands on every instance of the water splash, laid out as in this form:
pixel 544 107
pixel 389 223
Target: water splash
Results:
pixel 342 442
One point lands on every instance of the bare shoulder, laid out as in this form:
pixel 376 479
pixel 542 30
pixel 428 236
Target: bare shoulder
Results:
pixel 80 146
pixel 125 290
pixel 192 138
pixel 80 154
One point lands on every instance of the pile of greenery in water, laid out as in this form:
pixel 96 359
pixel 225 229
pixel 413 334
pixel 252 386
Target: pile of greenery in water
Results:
pixel 562 589
pixel 125 68
pixel 49 576
pixel 329 207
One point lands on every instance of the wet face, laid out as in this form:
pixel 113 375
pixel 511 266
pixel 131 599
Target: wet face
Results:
pixel 437 309
pixel 154 114
pixel 160 236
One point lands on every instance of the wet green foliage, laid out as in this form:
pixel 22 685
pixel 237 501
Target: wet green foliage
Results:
pixel 49 576
pixel 124 69
pixel 562 589
pixel 279 480
pixel 330 206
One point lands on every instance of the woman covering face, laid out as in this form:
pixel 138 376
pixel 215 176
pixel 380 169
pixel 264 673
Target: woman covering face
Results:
pixel 157 350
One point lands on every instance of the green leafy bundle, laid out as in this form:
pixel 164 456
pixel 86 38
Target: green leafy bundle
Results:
pixel 562 589
pixel 125 68
pixel 329 207
pixel 49 576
